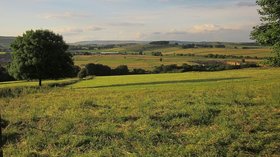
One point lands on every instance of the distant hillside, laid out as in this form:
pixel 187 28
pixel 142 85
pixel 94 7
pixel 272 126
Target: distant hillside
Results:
pixel 5 42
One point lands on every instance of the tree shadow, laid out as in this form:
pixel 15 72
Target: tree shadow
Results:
pixel 168 82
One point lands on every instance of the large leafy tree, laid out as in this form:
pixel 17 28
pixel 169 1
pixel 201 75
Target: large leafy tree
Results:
pixel 268 32
pixel 40 54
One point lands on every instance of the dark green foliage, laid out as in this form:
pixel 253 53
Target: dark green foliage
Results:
pixel 268 32
pixel 201 67
pixel 139 71
pixel 40 54
pixel 203 46
pixel 76 70
pixel 159 43
pixel 156 53
pixel 98 69
pixel 4 75
pixel 121 70
pixel 83 73
pixel 230 56
pixel 188 46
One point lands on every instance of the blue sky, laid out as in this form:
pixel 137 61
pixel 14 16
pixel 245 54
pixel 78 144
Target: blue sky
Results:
pixel 80 20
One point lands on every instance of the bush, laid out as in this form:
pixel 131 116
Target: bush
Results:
pixel 188 46
pixel 156 53
pixel 121 70
pixel 98 69
pixel 83 73
pixel 159 43
pixel 4 75
pixel 139 71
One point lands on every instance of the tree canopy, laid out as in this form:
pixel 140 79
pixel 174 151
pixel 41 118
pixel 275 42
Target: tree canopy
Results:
pixel 268 32
pixel 40 54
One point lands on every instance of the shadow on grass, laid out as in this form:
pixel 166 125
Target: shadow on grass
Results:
pixel 168 82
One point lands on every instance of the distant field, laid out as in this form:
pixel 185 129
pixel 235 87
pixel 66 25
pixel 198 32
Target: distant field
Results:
pixel 2 53
pixel 223 51
pixel 228 113
pixel 132 61
pixel 147 62
pixel 147 49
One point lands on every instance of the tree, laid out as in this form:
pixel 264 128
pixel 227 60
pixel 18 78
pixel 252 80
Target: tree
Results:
pixel 121 70
pixel 98 69
pixel 40 54
pixel 267 33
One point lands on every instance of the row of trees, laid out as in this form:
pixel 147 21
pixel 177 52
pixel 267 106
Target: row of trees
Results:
pixel 189 46
pixel 102 70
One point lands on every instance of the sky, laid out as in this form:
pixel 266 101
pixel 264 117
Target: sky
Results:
pixel 84 20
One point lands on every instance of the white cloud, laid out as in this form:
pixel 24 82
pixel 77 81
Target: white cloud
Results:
pixel 204 28
pixel 76 30
pixel 65 15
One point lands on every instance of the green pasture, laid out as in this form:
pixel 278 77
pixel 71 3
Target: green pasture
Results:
pixel 31 83
pixel 262 52
pixel 144 61
pixel 228 113
pixel 170 50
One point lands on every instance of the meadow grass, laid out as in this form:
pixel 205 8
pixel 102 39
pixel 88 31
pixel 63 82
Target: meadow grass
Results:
pixel 132 61
pixel 144 61
pixel 228 113
pixel 167 49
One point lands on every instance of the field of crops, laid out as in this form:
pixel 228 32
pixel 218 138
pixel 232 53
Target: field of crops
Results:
pixel 229 113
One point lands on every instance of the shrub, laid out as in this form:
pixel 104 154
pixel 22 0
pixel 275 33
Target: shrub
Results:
pixel 98 69
pixel 139 71
pixel 156 53
pixel 83 73
pixel 4 75
pixel 121 70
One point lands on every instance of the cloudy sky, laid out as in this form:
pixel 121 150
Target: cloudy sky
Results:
pixel 80 20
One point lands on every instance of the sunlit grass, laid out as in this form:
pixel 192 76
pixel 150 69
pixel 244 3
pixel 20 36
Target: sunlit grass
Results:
pixel 229 113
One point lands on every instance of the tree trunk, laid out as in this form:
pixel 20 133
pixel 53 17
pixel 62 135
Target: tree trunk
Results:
pixel 40 82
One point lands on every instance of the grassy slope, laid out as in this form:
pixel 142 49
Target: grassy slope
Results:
pixel 11 84
pixel 212 114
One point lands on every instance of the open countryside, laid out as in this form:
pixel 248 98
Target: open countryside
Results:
pixel 81 82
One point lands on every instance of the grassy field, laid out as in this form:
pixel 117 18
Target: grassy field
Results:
pixel 229 113
pixel 148 61
pixel 132 61
pixel 167 50
pixel 144 61
pixel 223 51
